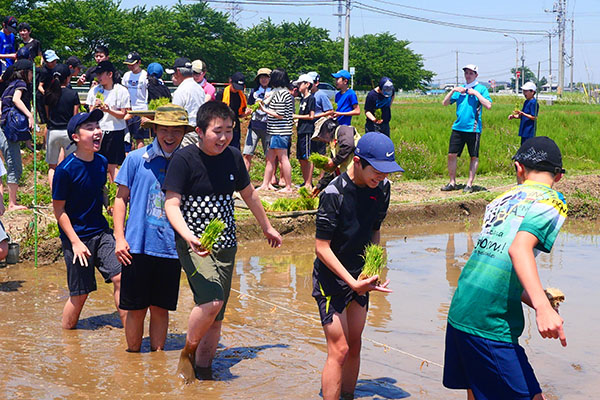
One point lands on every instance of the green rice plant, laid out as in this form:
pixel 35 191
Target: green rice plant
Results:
pixel 334 105
pixel 304 193
pixel 378 114
pixel 37 61
pixel 155 103
pixel 320 161
pixel 100 96
pixel 211 234
pixel 255 106
pixel 375 260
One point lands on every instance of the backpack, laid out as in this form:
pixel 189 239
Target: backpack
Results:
pixel 16 124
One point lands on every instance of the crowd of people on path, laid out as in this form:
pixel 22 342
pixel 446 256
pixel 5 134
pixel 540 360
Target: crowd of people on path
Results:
pixel 171 188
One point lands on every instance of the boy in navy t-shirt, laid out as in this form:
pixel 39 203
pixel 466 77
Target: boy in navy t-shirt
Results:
pixel 346 100
pixel 77 199
pixel 528 115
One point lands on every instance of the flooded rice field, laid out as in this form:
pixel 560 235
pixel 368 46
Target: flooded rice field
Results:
pixel 273 346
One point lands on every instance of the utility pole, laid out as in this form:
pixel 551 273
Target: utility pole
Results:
pixel 339 14
pixel 347 36
pixel 550 59
pixel 456 67
pixel 561 44
pixel 572 50
pixel 234 11
pixel 522 63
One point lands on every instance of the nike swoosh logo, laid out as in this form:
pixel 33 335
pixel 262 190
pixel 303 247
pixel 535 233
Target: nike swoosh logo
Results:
pixel 389 154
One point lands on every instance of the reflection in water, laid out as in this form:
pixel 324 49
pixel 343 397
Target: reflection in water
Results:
pixel 453 268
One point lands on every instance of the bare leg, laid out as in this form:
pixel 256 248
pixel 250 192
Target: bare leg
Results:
pixel 208 345
pixel 200 320
pixel 51 169
pixel 286 170
pixel 356 317
pixel 159 323
pixel 307 169
pixel 134 330
pixel 248 161
pixel 337 353
pixel 472 170
pixel 116 280
pixel 452 167
pixel 269 168
pixel 72 310
pixel 12 198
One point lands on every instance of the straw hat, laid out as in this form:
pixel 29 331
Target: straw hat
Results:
pixel 170 115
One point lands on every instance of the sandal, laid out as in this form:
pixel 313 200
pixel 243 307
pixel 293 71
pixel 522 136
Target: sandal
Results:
pixel 448 188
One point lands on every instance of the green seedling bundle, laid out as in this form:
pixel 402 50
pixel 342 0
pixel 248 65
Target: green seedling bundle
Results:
pixel 320 161
pixel 378 114
pixel 375 260
pixel 100 96
pixel 211 234
pixel 304 202
pixel 155 103
pixel 255 106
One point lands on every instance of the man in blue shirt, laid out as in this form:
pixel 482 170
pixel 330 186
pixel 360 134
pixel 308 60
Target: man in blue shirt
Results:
pixel 347 103
pixel 7 42
pixel 466 129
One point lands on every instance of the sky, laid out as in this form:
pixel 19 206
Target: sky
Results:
pixel 492 52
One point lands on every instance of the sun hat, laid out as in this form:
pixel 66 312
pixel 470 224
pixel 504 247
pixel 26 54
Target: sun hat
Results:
pixel 170 115
pixel 198 66
pixel 378 150
pixel 541 154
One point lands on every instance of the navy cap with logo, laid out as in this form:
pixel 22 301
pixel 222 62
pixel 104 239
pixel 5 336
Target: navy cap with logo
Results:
pixel 132 58
pixel 11 24
pixel 540 153
pixel 378 150
pixel 181 62
pixel 81 118
pixel 238 81
pixel 387 86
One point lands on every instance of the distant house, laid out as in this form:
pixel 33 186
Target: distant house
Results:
pixel 547 88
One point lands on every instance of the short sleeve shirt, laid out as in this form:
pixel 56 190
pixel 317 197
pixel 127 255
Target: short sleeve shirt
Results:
pixel 527 126
pixel 347 216
pixel 282 102
pixel 322 102
pixel 206 185
pixel 487 301
pixel 345 102
pixel 35 48
pixel 190 96
pixel 375 101
pixel 148 230
pixel 7 46
pixel 61 113
pixel 137 85
pixel 116 98
pixel 306 126
pixel 469 110
pixel 80 184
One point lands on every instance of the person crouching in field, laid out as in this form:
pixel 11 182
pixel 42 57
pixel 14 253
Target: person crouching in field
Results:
pixel 77 199
pixel 485 319
pixel 528 115
pixel 199 187
pixel 146 247
pixel 351 210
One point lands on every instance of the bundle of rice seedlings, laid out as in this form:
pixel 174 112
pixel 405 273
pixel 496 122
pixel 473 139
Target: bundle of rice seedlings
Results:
pixel 100 96
pixel 304 193
pixel 375 260
pixel 255 106
pixel 211 234
pixel 320 161
pixel 37 60
pixel 155 103
pixel 555 297
pixel 517 107
pixel 378 114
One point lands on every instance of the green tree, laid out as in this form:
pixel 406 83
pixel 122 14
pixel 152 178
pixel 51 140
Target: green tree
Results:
pixel 529 76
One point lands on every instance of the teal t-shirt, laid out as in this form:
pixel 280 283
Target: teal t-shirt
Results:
pixel 487 301
pixel 469 109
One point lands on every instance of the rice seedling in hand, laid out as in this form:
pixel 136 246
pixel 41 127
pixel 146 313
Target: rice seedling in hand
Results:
pixel 375 260
pixel 255 106
pixel 155 103
pixel 100 96
pixel 211 234
pixel 320 161
pixel 378 114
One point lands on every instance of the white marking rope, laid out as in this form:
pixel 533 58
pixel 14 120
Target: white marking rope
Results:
pixel 386 347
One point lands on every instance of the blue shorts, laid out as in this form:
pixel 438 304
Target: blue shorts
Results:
pixel 280 141
pixel 493 370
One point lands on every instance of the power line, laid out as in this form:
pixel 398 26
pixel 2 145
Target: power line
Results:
pixel 460 15
pixel 444 23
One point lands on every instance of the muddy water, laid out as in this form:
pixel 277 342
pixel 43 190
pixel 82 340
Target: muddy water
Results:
pixel 276 350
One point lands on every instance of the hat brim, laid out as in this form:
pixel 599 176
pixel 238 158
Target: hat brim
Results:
pixel 130 62
pixel 237 86
pixel 170 71
pixel 152 124
pixel 386 167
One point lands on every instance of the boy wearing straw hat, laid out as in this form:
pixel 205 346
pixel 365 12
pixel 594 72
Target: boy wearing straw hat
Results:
pixel 146 246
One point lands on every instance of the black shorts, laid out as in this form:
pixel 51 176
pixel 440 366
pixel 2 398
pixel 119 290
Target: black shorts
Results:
pixel 303 146
pixel 81 279
pixel 384 127
pixel 113 146
pixel 150 281
pixel 458 139
pixel 336 304
pixel 135 129
pixel 317 147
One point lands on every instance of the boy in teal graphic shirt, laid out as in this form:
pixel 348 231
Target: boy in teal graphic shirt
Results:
pixel 486 316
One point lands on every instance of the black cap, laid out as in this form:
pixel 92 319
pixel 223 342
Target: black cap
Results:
pixel 11 24
pixel 24 25
pixel 181 62
pixel 238 81
pixel 80 118
pixel 23 53
pixel 23 64
pixel 132 58
pixel 104 66
pixel 73 62
pixel 540 153
pixel 61 71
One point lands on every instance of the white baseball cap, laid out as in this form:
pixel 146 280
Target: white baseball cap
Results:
pixel 472 67
pixel 304 78
pixel 529 86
